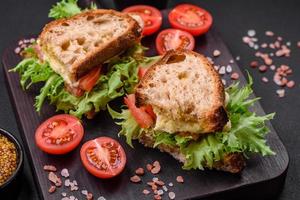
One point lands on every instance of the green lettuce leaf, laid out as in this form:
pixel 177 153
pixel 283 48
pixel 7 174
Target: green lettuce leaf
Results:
pixel 67 8
pixel 120 79
pixel 32 72
pixel 130 128
pixel 246 135
pixel 64 9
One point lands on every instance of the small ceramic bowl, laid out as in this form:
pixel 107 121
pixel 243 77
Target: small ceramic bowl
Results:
pixel 12 181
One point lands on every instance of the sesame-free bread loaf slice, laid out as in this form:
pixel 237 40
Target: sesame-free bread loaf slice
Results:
pixel 74 45
pixel 186 94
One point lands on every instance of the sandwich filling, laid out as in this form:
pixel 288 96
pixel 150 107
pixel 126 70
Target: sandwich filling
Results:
pixel 242 136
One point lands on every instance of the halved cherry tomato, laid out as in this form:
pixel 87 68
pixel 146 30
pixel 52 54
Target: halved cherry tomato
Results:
pixel 142 71
pixel 172 39
pixel 151 16
pixel 190 18
pixel 59 134
pixel 103 157
pixel 143 118
pixel 88 81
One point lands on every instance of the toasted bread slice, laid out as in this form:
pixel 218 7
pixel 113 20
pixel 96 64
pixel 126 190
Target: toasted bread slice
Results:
pixel 75 45
pixel 233 162
pixel 186 94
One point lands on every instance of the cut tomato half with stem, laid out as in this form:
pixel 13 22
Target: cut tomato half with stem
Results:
pixel 143 118
pixel 174 39
pixel 190 18
pixel 151 16
pixel 59 134
pixel 103 157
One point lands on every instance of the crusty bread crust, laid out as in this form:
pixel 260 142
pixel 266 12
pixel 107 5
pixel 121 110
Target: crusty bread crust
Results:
pixel 232 162
pixel 103 52
pixel 212 119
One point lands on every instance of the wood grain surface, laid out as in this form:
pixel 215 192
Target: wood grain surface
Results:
pixel 262 178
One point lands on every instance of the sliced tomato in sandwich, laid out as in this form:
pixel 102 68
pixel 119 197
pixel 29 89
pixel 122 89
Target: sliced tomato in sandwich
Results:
pixel 88 81
pixel 142 71
pixel 142 117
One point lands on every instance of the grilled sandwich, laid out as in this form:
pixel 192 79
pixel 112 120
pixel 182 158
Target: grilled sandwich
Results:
pixel 75 45
pixel 180 106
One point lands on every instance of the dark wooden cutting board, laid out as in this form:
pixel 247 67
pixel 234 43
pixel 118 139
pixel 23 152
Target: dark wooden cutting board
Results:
pixel 262 178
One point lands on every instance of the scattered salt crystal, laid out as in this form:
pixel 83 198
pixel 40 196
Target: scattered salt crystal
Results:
pixel 271 54
pixel 269 33
pixel 65 173
pixel 67 182
pixel 254 64
pixel 172 195
pixel 84 192
pixel 238 58
pixel 265 79
pixel 170 184
pixel 160 192
pixel 280 92
pixel 231 61
pixel 279 38
pixel 251 33
pixel 154 179
pixel 290 84
pixel 75 182
pixel 72 197
pixel 179 179
pixel 272 46
pixel 234 76
pixel 217 67
pixel 145 191
pixel 263 68
pixel 228 69
pixel 273 67
pixel 256 46
pixel 247 40
pixel 224 81
pixel 222 70
pixel 101 198
pixel 251 44
pixel 63 194
pixel 17 50
pixel 165 188
pixel 216 53
pixel 264 45
pixel 288 43
pixel 254 39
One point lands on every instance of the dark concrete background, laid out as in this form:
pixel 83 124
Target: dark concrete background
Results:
pixel 232 18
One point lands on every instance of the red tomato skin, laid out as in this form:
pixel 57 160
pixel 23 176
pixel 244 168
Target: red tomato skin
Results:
pixel 64 148
pixel 159 39
pixel 88 81
pixel 156 19
pixel 150 111
pixel 197 31
pixel 141 116
pixel 93 170
pixel 76 91
pixel 141 72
